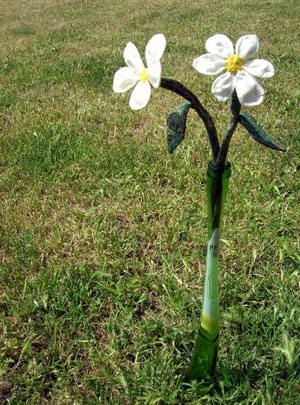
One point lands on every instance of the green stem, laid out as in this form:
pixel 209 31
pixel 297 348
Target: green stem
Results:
pixel 182 91
pixel 205 353
pixel 235 108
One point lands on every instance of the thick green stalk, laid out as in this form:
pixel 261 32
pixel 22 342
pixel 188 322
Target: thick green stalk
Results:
pixel 206 349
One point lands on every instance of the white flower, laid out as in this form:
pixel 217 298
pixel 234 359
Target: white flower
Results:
pixel 239 72
pixel 136 74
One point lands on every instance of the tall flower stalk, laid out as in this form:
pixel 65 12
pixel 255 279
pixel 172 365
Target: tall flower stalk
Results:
pixel 239 84
pixel 206 349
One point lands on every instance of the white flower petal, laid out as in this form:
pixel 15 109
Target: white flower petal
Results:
pixel 154 74
pixel 154 49
pixel 209 64
pixel 220 44
pixel 124 79
pixel 223 86
pixel 140 95
pixel 249 91
pixel 247 46
pixel 260 68
pixel 133 58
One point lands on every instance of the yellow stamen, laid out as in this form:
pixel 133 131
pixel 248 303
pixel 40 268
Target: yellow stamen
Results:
pixel 234 63
pixel 144 76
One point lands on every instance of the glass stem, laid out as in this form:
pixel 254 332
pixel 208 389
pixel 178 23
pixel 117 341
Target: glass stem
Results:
pixel 206 349
pixel 235 108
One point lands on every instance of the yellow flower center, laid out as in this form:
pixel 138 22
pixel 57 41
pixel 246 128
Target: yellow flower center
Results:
pixel 234 63
pixel 144 76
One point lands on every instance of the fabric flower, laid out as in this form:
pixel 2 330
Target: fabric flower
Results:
pixel 135 74
pixel 240 72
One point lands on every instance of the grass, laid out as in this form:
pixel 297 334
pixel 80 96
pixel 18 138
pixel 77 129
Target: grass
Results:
pixel 103 234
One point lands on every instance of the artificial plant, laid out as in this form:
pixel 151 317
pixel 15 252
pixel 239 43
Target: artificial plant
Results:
pixel 239 84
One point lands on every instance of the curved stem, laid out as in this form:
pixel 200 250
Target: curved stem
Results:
pixel 235 107
pixel 221 158
pixel 182 91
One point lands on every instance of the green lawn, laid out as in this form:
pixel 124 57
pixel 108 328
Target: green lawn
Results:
pixel 103 233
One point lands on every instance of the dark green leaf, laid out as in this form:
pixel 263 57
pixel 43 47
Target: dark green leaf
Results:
pixel 257 132
pixel 176 124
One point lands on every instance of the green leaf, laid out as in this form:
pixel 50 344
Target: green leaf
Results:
pixel 288 349
pixel 257 132
pixel 176 125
